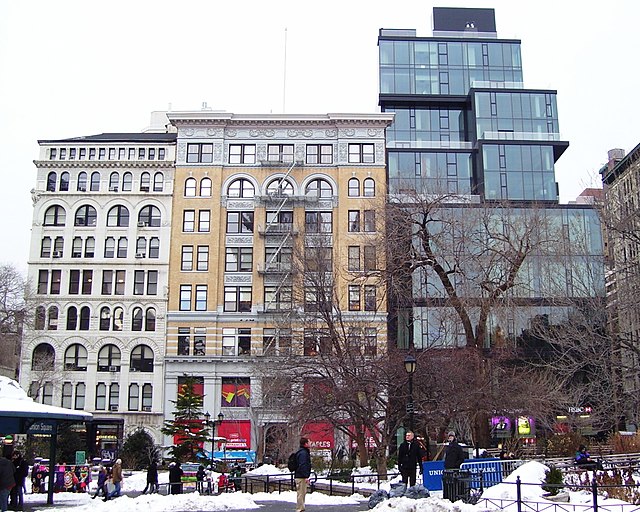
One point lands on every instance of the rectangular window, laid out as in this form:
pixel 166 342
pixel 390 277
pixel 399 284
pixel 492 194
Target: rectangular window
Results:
pixel 361 154
pixel 242 154
pixel 102 153
pixel 276 342
pixel 354 258
pixel 132 154
pixel 87 280
pixel 280 153
pixel 119 289
pixel 354 221
pixel 201 297
pixel 188 221
pixel 67 393
pixel 80 394
pixel 74 282
pixel 138 282
pixel 369 297
pixel 204 221
pixel 101 396
pixel 63 154
pixel 72 154
pixel 239 222
pixel 112 153
pixel 319 154
pixel 161 153
pixel 92 153
pixel 370 262
pixel 369 221
pixel 107 282
pixel 185 297
pixel 45 247
pixel 184 340
pixel 152 154
pixel 318 222
pixel 370 341
pixel 278 258
pixel 277 298
pixel 236 392
pixel 186 260
pixel 199 341
pixel 56 278
pixel 43 281
pixel 141 153
pixel 200 153
pixel 203 258
pixel 152 282
pixel 238 259
pixel 52 154
pixel 83 153
pixel 237 298
pixel 318 259
pixel 354 297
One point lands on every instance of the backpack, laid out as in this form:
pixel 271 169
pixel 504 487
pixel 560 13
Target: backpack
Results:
pixel 292 463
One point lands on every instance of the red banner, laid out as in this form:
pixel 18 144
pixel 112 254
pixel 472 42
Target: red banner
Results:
pixel 320 434
pixel 237 433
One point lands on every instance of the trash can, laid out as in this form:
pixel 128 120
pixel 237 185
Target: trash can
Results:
pixel 455 484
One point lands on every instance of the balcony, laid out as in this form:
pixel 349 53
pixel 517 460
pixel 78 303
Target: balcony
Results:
pixel 274 267
pixel 278 228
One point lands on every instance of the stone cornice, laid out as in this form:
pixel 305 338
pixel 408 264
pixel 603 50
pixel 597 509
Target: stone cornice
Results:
pixel 102 164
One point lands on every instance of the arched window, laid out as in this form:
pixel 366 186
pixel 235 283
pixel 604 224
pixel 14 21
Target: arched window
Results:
pixel 122 247
pixel 82 182
pixel 118 216
pixel 52 177
pixel 134 397
pixel 64 182
pixel 52 318
pixel 40 318
pixel 280 187
pixel 354 187
pixel 55 216
pixel 86 216
pixel 101 396
pixel 44 357
pixel 114 180
pixel 141 359
pixel 127 182
pixel 75 358
pixel 205 187
pixel 105 318
pixel 150 320
pixel 319 188
pixel 109 359
pixel 145 182
pixel 85 318
pixel 118 318
pixel 241 188
pixel 190 187
pixel 158 182
pixel 81 390
pixel 95 181
pixel 147 397
pixel 141 246
pixel 369 188
pixel 154 247
pixel 136 319
pixel 150 216
pixel 72 318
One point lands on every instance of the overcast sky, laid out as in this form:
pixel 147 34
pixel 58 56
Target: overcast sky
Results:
pixel 72 68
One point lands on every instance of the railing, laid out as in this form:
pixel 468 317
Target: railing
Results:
pixel 520 136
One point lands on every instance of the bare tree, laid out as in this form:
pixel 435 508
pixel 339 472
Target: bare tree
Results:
pixel 13 313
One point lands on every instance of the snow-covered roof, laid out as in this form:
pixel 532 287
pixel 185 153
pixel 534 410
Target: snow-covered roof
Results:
pixel 15 403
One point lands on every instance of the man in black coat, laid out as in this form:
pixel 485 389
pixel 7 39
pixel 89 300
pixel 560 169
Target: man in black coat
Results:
pixel 303 472
pixel 409 457
pixel 454 454
pixel 22 470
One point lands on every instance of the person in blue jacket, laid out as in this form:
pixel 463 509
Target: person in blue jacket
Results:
pixel 303 472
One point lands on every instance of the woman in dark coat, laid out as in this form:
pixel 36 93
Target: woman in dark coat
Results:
pixel 152 478
pixel 175 477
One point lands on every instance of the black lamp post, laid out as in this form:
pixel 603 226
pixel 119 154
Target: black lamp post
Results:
pixel 212 424
pixel 410 367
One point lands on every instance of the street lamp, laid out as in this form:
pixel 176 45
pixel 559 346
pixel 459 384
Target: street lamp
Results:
pixel 212 424
pixel 410 367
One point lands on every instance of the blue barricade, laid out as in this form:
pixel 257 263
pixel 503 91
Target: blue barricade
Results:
pixel 489 472
pixel 432 474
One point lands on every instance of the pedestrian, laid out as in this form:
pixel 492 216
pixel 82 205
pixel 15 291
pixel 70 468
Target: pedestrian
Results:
pixel 584 460
pixel 7 479
pixel 102 482
pixel 303 472
pixel 453 459
pixel 152 478
pixel 116 478
pixel 175 477
pixel 200 474
pixel 409 457
pixel 21 472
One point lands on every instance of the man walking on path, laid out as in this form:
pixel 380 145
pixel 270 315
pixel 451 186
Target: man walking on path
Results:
pixel 116 478
pixel 409 457
pixel 303 472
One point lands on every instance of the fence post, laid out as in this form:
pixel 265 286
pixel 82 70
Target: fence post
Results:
pixel 353 484
pixel 594 491
pixel 266 484
pixel 519 493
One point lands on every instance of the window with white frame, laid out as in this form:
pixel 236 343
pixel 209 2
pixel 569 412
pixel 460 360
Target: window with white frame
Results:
pixel 280 153
pixel 361 154
pixel 242 153
pixel 238 259
pixel 236 341
pixel 237 299
pixel 200 153
pixel 319 154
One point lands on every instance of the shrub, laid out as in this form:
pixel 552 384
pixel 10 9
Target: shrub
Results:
pixel 615 483
pixel 625 444
pixel 553 481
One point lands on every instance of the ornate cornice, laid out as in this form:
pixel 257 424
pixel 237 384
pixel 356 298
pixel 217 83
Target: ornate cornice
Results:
pixel 105 164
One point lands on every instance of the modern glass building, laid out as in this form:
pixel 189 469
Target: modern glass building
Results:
pixel 466 127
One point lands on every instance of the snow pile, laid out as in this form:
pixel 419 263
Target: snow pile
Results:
pixel 531 474
pixel 267 469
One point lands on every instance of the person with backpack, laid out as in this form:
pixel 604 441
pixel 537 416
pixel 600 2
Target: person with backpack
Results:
pixel 299 463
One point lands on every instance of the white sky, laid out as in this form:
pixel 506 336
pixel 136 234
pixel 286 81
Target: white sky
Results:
pixel 71 68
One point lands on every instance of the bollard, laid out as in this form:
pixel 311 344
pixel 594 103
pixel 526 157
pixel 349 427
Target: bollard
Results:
pixel 594 491
pixel 519 493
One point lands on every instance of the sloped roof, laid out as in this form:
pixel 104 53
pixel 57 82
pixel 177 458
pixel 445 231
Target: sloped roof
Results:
pixel 115 137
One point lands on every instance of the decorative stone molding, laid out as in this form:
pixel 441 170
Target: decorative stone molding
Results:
pixel 245 278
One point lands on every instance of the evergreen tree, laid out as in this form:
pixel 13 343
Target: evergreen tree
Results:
pixel 188 428
pixel 139 450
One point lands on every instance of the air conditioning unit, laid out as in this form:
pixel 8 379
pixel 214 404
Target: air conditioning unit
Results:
pixel 113 407
pixel 144 188
pixel 114 368
pixel 142 224
pixel 139 255
pixel 82 188
pixel 113 188
pixel 146 408
pixel 133 369
pixel 80 221
pixel 57 254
